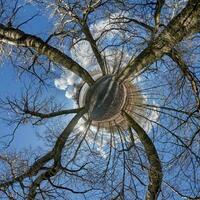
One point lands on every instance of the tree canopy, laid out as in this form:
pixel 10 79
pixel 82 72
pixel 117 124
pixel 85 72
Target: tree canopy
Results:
pixel 111 90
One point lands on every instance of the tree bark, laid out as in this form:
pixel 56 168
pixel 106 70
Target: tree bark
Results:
pixel 17 37
pixel 186 23
pixel 94 47
pixel 52 114
pixel 155 170
pixel 177 58
pixel 54 154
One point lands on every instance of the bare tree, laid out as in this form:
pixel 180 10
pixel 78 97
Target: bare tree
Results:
pixel 132 69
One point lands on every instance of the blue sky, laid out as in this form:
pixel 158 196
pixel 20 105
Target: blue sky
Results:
pixel 12 85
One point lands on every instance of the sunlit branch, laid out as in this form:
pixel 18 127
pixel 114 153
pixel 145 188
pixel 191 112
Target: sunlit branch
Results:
pixel 159 5
pixel 186 23
pixel 178 138
pixel 65 9
pixel 155 171
pixel 64 135
pixel 55 155
pixel 93 5
pixel 170 109
pixel 125 19
pixel 180 194
pixel 94 47
pixel 33 170
pixel 44 176
pixel 177 58
pixel 17 37
pixel 113 157
pixel 68 189
pixel 52 114
pixel 57 151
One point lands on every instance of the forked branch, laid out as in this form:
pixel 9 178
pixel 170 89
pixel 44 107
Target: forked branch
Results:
pixel 186 23
pixel 39 165
pixel 155 170
pixel 17 37
pixel 177 58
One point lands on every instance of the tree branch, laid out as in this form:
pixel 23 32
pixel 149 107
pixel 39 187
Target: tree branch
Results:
pixel 17 37
pixel 52 114
pixel 33 170
pixel 187 22
pixel 176 57
pixel 155 171
pixel 57 151
pixel 64 135
pixel 67 10
pixel 125 19
pixel 36 183
pixel 54 154
pixel 159 5
pixel 94 47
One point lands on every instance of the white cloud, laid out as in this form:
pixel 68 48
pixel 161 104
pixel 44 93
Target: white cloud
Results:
pixel 70 91
pixel 153 116
pixel 82 53
pixel 66 79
